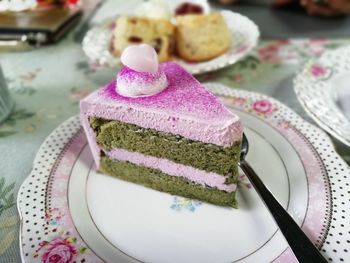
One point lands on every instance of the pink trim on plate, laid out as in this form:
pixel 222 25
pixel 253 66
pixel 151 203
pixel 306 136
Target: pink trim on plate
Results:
pixel 318 213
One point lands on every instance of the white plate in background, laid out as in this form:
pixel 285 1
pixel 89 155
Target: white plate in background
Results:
pixel 323 89
pixel 244 34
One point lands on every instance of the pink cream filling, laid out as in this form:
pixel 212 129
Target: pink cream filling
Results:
pixel 174 169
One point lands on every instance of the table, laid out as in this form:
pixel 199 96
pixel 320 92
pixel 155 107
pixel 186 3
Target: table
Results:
pixel 48 83
pixel 292 23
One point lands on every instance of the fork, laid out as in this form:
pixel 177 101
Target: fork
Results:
pixel 302 247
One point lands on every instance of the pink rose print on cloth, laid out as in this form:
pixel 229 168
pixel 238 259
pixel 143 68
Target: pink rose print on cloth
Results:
pixel 76 95
pixel 271 52
pixel 317 46
pixel 241 49
pixel 59 251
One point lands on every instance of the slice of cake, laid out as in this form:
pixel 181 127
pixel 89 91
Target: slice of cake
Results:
pixel 159 127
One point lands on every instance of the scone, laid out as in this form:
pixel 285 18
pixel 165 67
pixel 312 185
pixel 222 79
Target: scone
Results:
pixel 201 37
pixel 158 33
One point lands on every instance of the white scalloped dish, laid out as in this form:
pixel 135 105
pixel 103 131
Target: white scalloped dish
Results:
pixel 323 89
pixel 70 212
pixel 244 33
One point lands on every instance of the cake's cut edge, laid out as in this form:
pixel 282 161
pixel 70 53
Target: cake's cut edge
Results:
pixel 157 180
pixel 209 157
pixel 90 135
pixel 166 166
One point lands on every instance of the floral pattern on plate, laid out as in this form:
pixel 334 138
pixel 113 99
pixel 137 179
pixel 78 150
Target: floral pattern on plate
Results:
pixel 181 204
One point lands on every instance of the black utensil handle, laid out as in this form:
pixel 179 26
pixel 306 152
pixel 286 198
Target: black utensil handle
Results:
pixel 302 247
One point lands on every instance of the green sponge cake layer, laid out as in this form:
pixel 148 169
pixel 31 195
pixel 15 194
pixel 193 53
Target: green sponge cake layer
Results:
pixel 157 180
pixel 208 157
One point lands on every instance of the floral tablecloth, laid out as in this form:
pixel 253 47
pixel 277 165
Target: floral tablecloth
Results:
pixel 47 84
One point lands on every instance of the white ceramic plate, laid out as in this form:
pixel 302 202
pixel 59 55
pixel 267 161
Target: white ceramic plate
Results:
pixel 244 33
pixel 69 211
pixel 323 89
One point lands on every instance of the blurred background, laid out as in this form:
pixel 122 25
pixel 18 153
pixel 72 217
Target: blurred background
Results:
pixel 53 53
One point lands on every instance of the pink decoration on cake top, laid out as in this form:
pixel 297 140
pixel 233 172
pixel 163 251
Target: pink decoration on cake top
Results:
pixel 184 96
pixel 141 58
pixel 141 75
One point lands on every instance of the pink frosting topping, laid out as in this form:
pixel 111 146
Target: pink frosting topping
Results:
pixel 174 169
pixel 185 108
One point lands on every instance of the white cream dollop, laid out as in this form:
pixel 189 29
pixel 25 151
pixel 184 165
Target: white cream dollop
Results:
pixel 141 58
pixel 141 75
pixel 134 84
pixel 156 9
